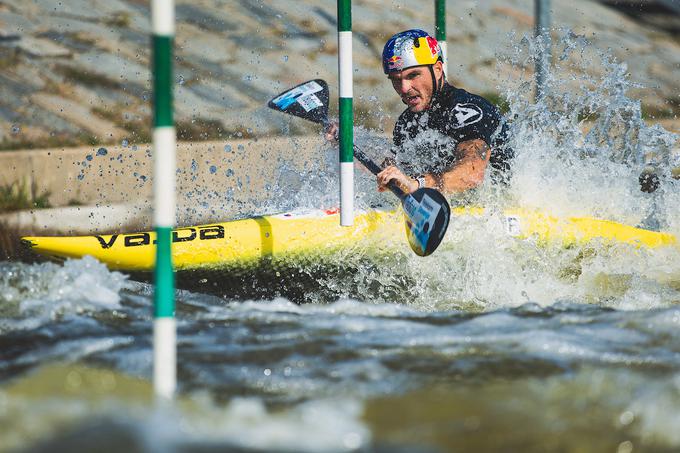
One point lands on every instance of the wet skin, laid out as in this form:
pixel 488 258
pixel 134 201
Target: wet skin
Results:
pixel 414 86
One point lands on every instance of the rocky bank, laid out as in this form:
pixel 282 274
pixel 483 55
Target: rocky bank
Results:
pixel 77 71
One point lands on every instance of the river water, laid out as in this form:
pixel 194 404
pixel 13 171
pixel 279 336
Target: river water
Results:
pixel 491 344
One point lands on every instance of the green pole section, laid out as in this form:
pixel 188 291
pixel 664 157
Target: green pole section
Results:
pixel 344 15
pixel 440 20
pixel 346 130
pixel 162 80
pixel 164 295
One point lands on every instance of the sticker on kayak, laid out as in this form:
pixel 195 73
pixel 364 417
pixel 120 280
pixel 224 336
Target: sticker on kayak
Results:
pixel 512 225
pixel 422 215
pixel 303 95
pixel 188 234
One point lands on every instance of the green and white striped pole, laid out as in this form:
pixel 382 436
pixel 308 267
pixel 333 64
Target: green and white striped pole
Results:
pixel 346 113
pixel 440 30
pixel 164 328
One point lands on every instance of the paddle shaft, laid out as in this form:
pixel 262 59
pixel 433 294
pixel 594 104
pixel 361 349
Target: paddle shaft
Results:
pixel 375 169
pixel 368 163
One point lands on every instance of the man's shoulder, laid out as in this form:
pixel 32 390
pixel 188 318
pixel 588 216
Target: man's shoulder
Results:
pixel 453 96
pixel 465 108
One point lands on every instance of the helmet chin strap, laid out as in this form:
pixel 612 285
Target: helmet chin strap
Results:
pixel 436 86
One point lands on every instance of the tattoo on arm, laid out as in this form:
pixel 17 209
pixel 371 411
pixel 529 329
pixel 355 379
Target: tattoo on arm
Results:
pixel 476 147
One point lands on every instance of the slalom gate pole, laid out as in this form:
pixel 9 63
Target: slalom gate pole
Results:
pixel 440 30
pixel 543 39
pixel 346 112
pixel 164 138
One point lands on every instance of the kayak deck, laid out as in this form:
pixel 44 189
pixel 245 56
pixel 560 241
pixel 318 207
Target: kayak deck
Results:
pixel 300 236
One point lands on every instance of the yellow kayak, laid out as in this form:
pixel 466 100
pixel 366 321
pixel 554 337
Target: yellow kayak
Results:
pixel 303 236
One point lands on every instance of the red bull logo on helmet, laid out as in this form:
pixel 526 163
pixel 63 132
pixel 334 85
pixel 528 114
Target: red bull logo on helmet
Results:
pixel 395 63
pixel 433 45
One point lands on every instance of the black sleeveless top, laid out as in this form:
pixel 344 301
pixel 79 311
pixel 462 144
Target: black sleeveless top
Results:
pixel 425 142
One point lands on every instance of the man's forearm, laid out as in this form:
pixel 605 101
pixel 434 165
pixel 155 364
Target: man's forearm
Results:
pixel 467 173
pixel 462 177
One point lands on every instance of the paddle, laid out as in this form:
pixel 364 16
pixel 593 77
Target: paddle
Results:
pixel 426 211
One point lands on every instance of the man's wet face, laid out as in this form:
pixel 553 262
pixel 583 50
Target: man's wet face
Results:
pixel 414 86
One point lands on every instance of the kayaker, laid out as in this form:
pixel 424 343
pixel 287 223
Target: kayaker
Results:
pixel 446 138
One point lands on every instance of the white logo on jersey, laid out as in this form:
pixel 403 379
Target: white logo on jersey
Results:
pixel 466 114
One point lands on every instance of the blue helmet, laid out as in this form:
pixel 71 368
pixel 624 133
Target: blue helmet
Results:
pixel 410 48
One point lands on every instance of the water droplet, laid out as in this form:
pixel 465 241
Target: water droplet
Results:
pixel 15 129
pixel 102 152
pixel 180 80
pixel 81 176
pixel 230 172
pixel 227 148
pixel 625 447
pixel 352 441
pixel 627 418
pixel 267 372
pixel 213 169
pixel 89 157
pixel 124 143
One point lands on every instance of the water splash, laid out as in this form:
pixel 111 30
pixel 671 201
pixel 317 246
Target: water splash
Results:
pixel 41 292
pixel 580 151
pixel 581 148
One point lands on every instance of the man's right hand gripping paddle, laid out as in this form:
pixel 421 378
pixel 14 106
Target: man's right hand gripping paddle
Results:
pixel 426 211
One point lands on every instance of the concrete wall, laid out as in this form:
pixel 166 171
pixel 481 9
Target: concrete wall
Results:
pixel 214 179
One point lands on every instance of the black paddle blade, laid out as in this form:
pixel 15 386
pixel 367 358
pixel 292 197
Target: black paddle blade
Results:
pixel 427 214
pixel 309 100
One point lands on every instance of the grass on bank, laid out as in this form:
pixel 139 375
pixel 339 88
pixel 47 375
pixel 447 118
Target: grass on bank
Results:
pixel 51 141
pixel 21 195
